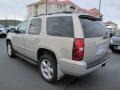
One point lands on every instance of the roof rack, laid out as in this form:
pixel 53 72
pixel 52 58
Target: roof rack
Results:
pixel 66 12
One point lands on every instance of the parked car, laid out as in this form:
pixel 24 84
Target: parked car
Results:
pixel 60 44
pixel 115 41
pixel 2 31
pixel 12 30
pixel 9 27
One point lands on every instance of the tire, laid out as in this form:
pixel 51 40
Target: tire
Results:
pixel 112 48
pixel 48 68
pixel 3 36
pixel 10 50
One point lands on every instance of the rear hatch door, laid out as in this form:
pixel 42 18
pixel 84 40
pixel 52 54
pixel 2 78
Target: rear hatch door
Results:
pixel 96 40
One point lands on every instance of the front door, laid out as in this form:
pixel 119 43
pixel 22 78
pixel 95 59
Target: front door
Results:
pixel 19 38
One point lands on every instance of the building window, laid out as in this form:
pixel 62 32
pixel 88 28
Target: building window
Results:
pixel 72 8
pixel 30 13
pixel 60 6
pixel 65 5
pixel 36 10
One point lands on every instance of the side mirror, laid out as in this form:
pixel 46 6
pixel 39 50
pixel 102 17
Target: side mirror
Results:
pixel 7 30
pixel 13 30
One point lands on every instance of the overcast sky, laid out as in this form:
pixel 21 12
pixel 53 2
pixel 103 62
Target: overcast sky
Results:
pixel 17 8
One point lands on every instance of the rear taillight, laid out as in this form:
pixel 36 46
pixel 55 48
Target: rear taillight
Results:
pixel 78 49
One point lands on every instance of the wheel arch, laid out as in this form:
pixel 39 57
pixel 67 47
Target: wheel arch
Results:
pixel 8 40
pixel 42 51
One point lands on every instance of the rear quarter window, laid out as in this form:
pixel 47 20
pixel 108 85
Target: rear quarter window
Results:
pixel 60 26
pixel 93 28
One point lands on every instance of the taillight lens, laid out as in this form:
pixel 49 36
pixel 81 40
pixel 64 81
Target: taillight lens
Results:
pixel 78 49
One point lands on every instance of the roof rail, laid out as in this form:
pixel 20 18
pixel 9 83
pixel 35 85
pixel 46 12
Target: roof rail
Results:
pixel 66 12
pixel 40 15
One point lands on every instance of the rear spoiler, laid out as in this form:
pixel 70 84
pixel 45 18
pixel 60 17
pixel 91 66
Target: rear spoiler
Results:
pixel 90 17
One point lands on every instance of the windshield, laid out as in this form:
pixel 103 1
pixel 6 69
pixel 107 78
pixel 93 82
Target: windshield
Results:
pixel 93 28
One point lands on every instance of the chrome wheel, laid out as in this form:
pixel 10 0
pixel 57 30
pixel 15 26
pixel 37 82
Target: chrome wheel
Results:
pixel 9 49
pixel 47 69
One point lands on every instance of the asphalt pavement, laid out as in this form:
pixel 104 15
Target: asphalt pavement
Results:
pixel 17 74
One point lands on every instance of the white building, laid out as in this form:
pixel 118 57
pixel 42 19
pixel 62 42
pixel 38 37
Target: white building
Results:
pixel 112 27
pixel 54 6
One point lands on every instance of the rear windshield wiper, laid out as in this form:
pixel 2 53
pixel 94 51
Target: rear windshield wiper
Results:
pixel 90 18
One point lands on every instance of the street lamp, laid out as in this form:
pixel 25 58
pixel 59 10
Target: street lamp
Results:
pixel 100 6
pixel 46 7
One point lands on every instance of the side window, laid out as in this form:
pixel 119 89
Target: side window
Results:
pixel 35 27
pixel 23 27
pixel 60 26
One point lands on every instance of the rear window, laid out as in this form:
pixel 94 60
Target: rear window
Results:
pixel 93 28
pixel 60 26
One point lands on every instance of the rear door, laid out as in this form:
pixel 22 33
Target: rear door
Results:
pixel 96 40
pixel 60 35
pixel 32 39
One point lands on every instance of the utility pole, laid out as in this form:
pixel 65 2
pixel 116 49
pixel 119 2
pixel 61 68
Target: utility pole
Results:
pixel 57 6
pixel 15 21
pixel 6 23
pixel 100 6
pixel 46 7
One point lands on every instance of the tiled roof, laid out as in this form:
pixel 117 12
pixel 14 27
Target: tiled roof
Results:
pixel 95 12
pixel 109 23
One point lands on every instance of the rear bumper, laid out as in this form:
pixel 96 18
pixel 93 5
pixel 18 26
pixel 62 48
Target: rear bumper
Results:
pixel 76 68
